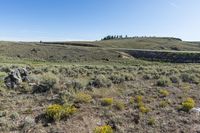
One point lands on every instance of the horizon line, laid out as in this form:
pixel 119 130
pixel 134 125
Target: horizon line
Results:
pixel 88 40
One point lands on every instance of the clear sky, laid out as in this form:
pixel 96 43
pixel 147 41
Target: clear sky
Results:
pixel 34 20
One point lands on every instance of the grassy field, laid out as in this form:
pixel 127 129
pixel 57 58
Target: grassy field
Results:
pixel 151 43
pixel 55 52
pixel 94 89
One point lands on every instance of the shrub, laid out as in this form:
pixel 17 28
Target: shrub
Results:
pixel 128 77
pixel 66 96
pixel 107 101
pixel 37 71
pixel 73 84
pixel 119 105
pixel 139 99
pixel 46 83
pixel 57 112
pixel 5 69
pixel 103 129
pixel 49 80
pixel 164 93
pixel 3 113
pixel 45 69
pixel 189 78
pixel 5 125
pixel 82 97
pixel 55 71
pixel 101 81
pixel 14 116
pixel 151 121
pixel 186 87
pixel 54 111
pixel 28 111
pixel 155 75
pixel 69 110
pixel 147 77
pixel 24 87
pixel 2 74
pixel 69 72
pixel 117 79
pixel 163 82
pixel 185 77
pixel 188 104
pixel 131 100
pixel 141 105
pixel 163 104
pixel 144 109
pixel 174 79
pixel 28 123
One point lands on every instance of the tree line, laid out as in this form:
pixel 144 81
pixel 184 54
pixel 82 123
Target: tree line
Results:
pixel 111 37
pixel 118 37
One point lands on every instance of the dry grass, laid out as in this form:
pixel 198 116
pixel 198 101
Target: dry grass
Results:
pixel 130 100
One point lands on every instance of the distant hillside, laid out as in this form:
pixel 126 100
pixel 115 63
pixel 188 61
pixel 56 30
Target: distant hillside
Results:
pixel 149 43
pixel 56 52
pixel 152 43
pixel 149 48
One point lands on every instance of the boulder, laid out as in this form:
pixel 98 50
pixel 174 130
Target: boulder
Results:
pixel 16 77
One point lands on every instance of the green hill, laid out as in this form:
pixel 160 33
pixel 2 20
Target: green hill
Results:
pixel 151 48
pixel 151 43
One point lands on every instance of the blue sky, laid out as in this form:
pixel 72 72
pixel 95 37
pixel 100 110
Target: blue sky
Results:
pixel 34 20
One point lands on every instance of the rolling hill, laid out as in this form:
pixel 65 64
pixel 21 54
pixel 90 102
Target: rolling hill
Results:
pixel 151 48
pixel 152 43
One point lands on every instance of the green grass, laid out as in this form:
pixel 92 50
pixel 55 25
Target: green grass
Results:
pixel 56 53
pixel 107 52
pixel 150 43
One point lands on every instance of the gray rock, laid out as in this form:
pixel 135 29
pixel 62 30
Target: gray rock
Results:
pixel 16 77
